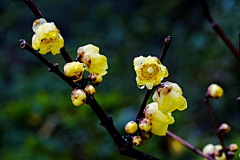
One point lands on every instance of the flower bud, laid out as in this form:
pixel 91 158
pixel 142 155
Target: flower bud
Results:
pixel 233 147
pixel 145 125
pixel 218 152
pixel 89 89
pixel 37 23
pixel 224 128
pixel 215 91
pixel 131 127
pixel 78 97
pixel 95 79
pixel 146 135
pixel 137 140
pixel 208 149
pixel 74 70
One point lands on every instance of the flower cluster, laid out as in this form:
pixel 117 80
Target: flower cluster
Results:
pixel 47 37
pixel 91 61
pixel 168 97
pixel 218 153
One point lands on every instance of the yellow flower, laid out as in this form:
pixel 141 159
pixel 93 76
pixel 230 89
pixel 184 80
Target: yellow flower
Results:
pixel 150 71
pixel 169 98
pixel 215 91
pixel 159 120
pixel 94 62
pixel 47 37
pixel 74 70
pixel 211 150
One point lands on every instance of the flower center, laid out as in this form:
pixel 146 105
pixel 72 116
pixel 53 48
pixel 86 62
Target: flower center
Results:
pixel 149 70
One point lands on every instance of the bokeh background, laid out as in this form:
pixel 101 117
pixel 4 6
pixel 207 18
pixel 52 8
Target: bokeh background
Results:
pixel 38 120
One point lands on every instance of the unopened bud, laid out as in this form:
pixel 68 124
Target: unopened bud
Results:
pixel 146 135
pixel 218 150
pixel 37 23
pixel 208 149
pixel 137 140
pixel 233 147
pixel 224 128
pixel 131 127
pixel 145 125
pixel 215 91
pixel 89 89
pixel 74 70
pixel 95 79
pixel 78 97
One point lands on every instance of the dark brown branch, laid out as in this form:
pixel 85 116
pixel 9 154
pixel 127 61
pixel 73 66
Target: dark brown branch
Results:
pixel 52 67
pixel 65 55
pixel 238 99
pixel 239 60
pixel 38 15
pixel 34 9
pixel 218 30
pixel 139 115
pixel 167 42
pixel 143 105
pixel 188 145
pixel 206 101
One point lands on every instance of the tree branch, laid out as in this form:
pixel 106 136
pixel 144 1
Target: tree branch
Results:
pixel 188 145
pixel 139 115
pixel 124 146
pixel 34 9
pixel 52 67
pixel 218 30
pixel 206 101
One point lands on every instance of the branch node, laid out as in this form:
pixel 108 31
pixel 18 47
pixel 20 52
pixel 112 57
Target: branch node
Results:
pixel 22 43
pixel 167 39
pixel 52 69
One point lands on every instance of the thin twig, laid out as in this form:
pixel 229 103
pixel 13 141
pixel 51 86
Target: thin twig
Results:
pixel 239 59
pixel 34 9
pixel 188 145
pixel 167 42
pixel 218 30
pixel 38 15
pixel 238 99
pixel 52 67
pixel 206 101
pixel 139 115
pixel 65 55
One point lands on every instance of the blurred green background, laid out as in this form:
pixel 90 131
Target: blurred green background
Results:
pixel 38 120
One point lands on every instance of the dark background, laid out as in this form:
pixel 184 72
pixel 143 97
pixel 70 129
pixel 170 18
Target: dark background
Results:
pixel 38 120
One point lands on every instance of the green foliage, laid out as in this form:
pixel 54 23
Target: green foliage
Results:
pixel 123 30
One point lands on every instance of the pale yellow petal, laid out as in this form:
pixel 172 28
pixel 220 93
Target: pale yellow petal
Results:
pixel 159 128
